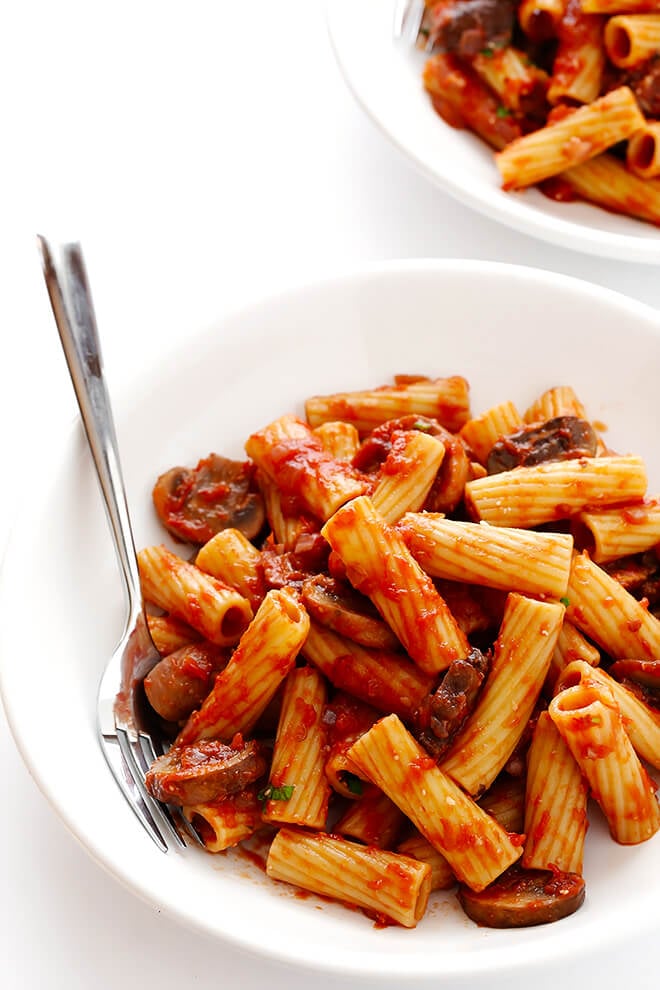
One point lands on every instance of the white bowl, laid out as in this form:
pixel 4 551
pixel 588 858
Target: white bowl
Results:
pixel 386 79
pixel 512 332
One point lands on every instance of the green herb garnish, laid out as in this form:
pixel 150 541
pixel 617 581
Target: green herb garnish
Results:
pixel 271 793
pixel 488 52
pixel 565 601
pixel 353 783
pixel 503 112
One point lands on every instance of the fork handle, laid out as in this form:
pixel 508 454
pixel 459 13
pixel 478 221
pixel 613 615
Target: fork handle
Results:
pixel 71 299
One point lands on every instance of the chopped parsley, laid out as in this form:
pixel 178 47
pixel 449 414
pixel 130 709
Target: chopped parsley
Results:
pixel 271 793
pixel 503 112
pixel 353 783
pixel 565 601
pixel 487 52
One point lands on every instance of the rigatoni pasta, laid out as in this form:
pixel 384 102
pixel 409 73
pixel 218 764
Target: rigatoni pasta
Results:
pixel 481 432
pixel 382 678
pixel 557 490
pixel 632 39
pixel 494 556
pixel 407 475
pixel 571 140
pixel 298 756
pixel 591 724
pixel 442 877
pixel 643 152
pixel 322 483
pixel 523 652
pixel 395 682
pixel 577 71
pixel 373 819
pixel 641 723
pixel 571 645
pixel 560 400
pixel 230 557
pixel 397 764
pixel 376 558
pixel 446 399
pixel 214 609
pixel 387 883
pixel 608 534
pixel 607 182
pixel 555 803
pixel 264 656
pixel 224 823
pixel 609 614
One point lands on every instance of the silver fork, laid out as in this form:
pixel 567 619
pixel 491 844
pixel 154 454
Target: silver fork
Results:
pixel 127 740
pixel 408 19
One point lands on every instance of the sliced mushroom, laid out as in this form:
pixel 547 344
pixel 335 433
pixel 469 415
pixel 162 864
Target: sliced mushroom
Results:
pixel 205 771
pixel 557 440
pixel 521 898
pixel 644 672
pixel 466 27
pixel 638 574
pixel 345 610
pixel 443 714
pixel 196 503
pixel 178 684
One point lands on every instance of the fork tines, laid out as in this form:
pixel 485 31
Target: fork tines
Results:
pixel 408 19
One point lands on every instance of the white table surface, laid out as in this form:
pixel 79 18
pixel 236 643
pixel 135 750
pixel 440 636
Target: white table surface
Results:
pixel 203 152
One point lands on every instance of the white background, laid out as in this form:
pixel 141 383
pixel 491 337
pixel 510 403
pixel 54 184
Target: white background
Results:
pixel 204 153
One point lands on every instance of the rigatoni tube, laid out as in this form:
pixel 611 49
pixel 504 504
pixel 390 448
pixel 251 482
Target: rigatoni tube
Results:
pixel 386 680
pixel 612 533
pixel 477 848
pixel 525 644
pixel 591 724
pixel 481 432
pixel 643 151
pixel 373 819
pixel 379 564
pixel 555 803
pixel 442 877
pixel 383 882
pixel 575 138
pixel 223 824
pixel 560 400
pixel 642 723
pixel 293 457
pixel 264 656
pixel 609 614
pixel 230 557
pixel 445 399
pixel 407 474
pixel 529 496
pixel 493 556
pixel 215 610
pixel 631 40
pixel 298 757
pixel 607 182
